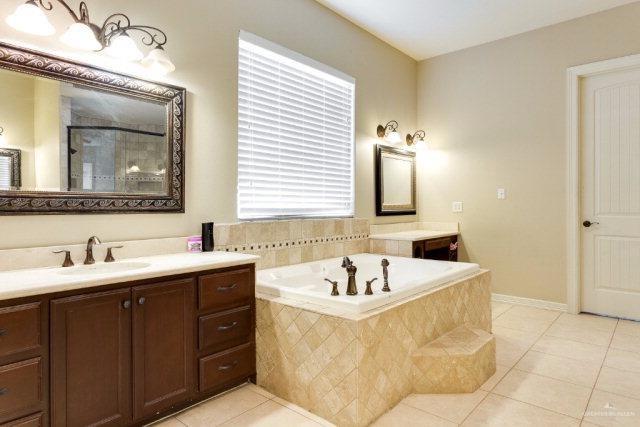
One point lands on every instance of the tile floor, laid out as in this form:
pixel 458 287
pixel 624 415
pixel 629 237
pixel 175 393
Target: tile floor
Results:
pixel 554 369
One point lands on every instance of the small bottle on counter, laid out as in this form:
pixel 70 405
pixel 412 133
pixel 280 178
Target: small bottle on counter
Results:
pixel 194 244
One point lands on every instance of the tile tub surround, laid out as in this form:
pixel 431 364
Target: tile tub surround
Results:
pixel 348 368
pixel 278 243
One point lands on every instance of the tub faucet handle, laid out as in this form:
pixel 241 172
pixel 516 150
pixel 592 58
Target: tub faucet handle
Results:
pixel 385 274
pixel 368 291
pixel 334 290
pixel 67 258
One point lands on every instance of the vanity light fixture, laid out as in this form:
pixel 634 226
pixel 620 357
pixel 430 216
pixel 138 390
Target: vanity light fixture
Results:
pixel 389 132
pixel 419 136
pixel 113 36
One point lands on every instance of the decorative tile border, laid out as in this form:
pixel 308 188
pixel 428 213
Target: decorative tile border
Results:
pixel 280 243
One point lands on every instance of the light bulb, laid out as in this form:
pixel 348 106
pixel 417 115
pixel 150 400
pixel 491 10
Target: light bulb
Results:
pixel 123 47
pixel 158 62
pixel 393 137
pixel 29 18
pixel 80 36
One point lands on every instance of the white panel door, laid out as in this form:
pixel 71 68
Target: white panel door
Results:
pixel 610 156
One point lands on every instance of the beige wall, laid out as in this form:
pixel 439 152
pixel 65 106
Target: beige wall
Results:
pixel 495 117
pixel 203 44
pixel 46 133
pixel 16 117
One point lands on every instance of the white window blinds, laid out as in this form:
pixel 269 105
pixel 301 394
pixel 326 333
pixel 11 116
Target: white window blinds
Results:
pixel 5 172
pixel 295 134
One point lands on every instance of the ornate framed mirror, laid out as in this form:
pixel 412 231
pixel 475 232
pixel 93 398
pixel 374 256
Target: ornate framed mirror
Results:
pixel 395 181
pixel 89 140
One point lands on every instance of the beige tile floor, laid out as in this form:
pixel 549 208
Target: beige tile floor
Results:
pixel 554 369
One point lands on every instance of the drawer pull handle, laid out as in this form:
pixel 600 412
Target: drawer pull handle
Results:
pixel 228 367
pixel 227 327
pixel 3 332
pixel 4 391
pixel 227 288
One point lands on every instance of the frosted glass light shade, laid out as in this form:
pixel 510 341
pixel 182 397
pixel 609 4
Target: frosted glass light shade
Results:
pixel 80 36
pixel 158 62
pixel 123 47
pixel 29 18
pixel 393 137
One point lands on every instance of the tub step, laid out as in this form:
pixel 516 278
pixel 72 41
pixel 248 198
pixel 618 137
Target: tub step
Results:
pixel 457 362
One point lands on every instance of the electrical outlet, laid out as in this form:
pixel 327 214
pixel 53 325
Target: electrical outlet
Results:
pixel 502 194
pixel 457 207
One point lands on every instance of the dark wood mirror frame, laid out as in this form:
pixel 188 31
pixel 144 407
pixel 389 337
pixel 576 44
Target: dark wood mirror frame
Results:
pixel 381 208
pixel 43 65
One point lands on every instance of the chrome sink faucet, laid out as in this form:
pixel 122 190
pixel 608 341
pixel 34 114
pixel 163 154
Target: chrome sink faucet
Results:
pixel 347 264
pixel 93 240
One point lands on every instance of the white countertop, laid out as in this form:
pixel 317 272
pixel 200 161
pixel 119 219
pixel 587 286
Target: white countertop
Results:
pixel 23 283
pixel 414 235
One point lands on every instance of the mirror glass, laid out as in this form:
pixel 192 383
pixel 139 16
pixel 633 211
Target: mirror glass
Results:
pixel 74 138
pixel 395 181
pixel 397 176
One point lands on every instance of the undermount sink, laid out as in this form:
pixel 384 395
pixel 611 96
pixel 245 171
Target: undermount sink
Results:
pixel 106 268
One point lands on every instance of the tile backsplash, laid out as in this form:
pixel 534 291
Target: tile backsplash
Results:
pixel 281 243
pixel 278 243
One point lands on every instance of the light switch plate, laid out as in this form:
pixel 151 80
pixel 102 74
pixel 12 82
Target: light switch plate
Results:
pixel 457 207
pixel 502 194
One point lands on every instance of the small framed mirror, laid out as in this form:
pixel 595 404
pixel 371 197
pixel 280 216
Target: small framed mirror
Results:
pixel 395 181
pixel 9 169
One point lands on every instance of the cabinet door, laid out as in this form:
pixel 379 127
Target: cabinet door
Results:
pixel 91 359
pixel 163 347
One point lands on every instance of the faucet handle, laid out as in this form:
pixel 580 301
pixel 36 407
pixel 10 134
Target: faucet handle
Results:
pixel 67 259
pixel 110 257
pixel 368 291
pixel 334 290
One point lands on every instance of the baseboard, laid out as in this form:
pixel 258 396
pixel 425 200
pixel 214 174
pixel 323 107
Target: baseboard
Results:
pixel 538 303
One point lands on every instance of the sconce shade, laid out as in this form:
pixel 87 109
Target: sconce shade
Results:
pixel 123 47
pixel 158 62
pixel 29 18
pixel 80 36
pixel 393 137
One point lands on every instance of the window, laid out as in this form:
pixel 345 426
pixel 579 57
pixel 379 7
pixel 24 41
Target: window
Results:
pixel 295 134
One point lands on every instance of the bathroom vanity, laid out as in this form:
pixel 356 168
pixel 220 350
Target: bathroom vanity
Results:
pixel 127 347
pixel 439 245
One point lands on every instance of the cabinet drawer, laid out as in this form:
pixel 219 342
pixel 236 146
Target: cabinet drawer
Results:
pixel 437 244
pixel 220 368
pixel 20 386
pixel 225 289
pixel 19 328
pixel 30 421
pixel 219 328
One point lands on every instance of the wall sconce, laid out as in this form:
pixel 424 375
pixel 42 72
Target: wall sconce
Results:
pixel 389 132
pixel 416 137
pixel 112 36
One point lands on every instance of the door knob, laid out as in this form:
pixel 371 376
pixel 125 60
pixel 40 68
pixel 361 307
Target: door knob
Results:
pixel 141 300
pixel 126 304
pixel 588 223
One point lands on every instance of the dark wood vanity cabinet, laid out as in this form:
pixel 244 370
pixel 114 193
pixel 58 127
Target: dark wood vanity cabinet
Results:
pixel 91 359
pixel 126 354
pixel 442 249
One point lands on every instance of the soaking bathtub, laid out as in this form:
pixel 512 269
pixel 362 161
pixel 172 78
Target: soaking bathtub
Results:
pixel 407 277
